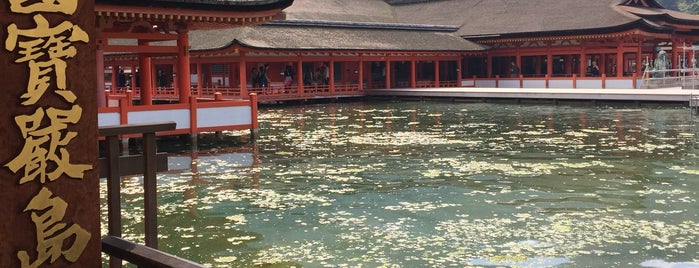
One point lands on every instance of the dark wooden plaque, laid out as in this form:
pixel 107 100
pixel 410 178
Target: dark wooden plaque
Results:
pixel 49 189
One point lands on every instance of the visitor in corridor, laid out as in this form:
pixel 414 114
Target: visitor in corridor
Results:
pixel 594 69
pixel 514 70
pixel 288 76
pixel 255 79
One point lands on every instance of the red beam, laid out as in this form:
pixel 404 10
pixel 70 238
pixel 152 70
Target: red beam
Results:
pixel 140 36
pixel 141 49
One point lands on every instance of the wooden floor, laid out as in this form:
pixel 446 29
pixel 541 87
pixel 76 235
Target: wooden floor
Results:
pixel 641 95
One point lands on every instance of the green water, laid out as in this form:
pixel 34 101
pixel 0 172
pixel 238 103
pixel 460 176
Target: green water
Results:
pixel 435 184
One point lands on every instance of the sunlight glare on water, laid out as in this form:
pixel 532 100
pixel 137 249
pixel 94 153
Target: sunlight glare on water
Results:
pixel 435 184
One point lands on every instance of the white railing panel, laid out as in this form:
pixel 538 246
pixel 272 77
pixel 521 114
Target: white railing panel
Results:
pixel 534 83
pixel 509 83
pixel 108 119
pixel 224 116
pixel 561 83
pixel 620 83
pixel 592 84
pixel 485 83
pixel 180 116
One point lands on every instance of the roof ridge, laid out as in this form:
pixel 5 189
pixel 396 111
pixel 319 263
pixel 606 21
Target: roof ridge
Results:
pixel 365 25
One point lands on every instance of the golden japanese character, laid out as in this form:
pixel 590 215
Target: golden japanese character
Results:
pixel 46 145
pixel 51 233
pixel 67 7
pixel 46 50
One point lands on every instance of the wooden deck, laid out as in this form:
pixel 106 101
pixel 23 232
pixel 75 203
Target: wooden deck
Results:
pixel 640 95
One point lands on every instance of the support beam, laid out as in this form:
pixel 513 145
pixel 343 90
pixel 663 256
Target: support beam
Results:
pixel 331 75
pixel 183 68
pixel 436 72
pixel 146 77
pixel 388 73
pixel 101 97
pixel 242 70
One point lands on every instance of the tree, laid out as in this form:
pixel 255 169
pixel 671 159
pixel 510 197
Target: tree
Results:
pixel 669 4
pixel 689 6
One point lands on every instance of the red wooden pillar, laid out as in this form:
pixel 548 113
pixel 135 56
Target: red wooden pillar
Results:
pixel 243 77
pixel 639 59
pixel 538 66
pixel 146 77
pixel 675 54
pixel 459 64
pixel 620 61
pixel 200 79
pixel 413 73
pixel 184 79
pixel 569 64
pixel 101 93
pixel 388 74
pixel 436 73
pixel 583 64
pixel 115 74
pixel 332 76
pixel 489 66
pixel 549 64
pixel 299 75
pixel 360 73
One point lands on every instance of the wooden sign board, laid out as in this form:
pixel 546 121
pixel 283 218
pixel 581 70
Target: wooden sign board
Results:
pixel 49 190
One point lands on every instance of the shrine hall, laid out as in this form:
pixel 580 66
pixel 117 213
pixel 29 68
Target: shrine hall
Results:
pixel 332 49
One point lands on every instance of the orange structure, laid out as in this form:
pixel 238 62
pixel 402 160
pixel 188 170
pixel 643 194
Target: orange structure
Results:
pixel 330 49
pixel 160 28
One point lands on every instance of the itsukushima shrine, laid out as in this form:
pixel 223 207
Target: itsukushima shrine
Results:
pixel 336 50
pixel 49 147
pixel 192 62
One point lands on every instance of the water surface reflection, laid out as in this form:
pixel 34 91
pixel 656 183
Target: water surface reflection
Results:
pixel 415 184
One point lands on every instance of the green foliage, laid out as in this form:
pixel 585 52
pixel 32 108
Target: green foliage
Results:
pixel 670 4
pixel 689 6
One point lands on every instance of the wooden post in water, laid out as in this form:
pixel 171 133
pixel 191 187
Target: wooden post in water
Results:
pixel 49 197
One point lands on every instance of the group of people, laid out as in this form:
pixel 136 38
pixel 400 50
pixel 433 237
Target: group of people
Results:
pixel 260 77
pixel 321 76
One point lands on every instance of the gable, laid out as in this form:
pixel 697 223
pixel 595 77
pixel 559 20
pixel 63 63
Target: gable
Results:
pixel 641 3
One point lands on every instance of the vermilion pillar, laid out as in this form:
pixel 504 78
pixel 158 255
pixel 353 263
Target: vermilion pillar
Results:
pixel 413 74
pixel 620 61
pixel 243 72
pixel 332 76
pixel 299 75
pixel 459 72
pixel 101 98
pixel 583 65
pixel 183 68
pixel 436 73
pixel 360 73
pixel 200 79
pixel 146 77
pixel 388 74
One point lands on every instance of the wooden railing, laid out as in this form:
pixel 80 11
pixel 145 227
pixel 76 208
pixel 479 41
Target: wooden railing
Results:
pixel 114 166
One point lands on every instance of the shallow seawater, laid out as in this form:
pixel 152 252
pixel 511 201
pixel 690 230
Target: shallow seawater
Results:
pixel 435 184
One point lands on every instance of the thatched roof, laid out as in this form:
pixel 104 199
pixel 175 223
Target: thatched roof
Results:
pixel 290 37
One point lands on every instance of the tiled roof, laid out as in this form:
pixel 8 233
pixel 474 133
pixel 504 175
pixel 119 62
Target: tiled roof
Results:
pixel 232 5
pixel 329 38
pixel 341 10
pixel 500 17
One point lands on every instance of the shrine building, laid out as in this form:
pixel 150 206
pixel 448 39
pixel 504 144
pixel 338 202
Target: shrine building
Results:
pixel 337 48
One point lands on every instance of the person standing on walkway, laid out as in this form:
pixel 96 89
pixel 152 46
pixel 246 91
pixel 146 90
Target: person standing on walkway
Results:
pixel 514 70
